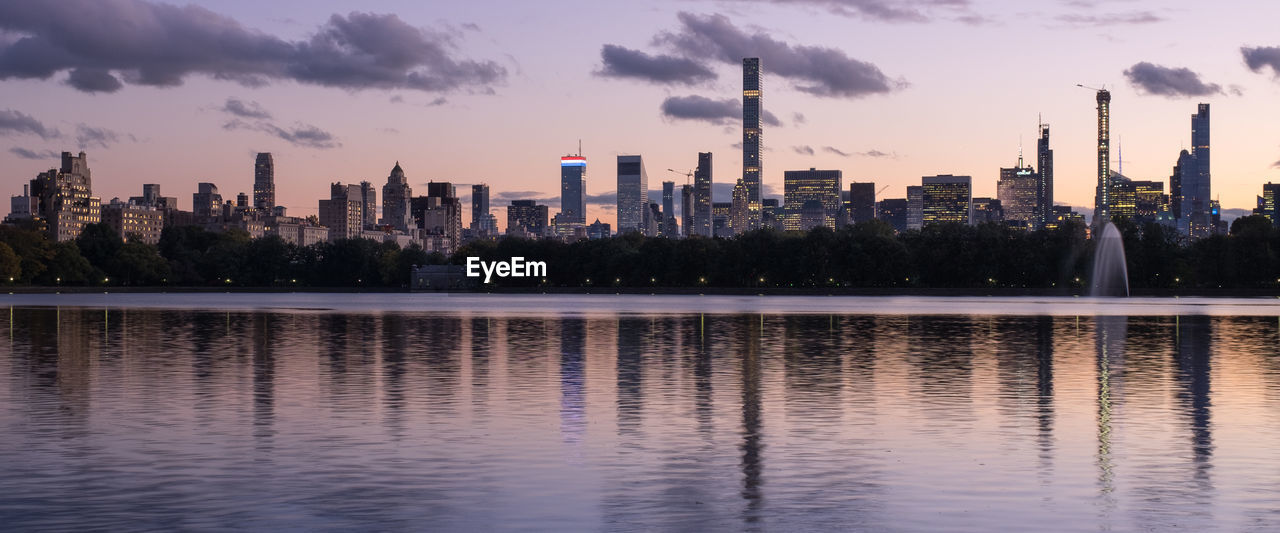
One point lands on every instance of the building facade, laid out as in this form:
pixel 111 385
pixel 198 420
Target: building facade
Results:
pixel 1019 193
pixel 751 138
pixel 264 182
pixel 395 200
pixel 812 192
pixel 573 190
pixel 63 198
pixel 946 199
pixel 702 196
pixel 526 218
pixel 862 202
pixel 633 193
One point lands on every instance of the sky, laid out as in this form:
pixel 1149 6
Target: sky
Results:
pixel 495 92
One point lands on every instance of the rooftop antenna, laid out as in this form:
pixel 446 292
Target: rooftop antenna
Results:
pixel 1019 150
pixel 579 147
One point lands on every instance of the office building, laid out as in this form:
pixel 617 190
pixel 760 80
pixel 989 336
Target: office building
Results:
pixel 946 199
pixel 1195 182
pixel 396 196
pixel 633 193
pixel 441 213
pixel 573 190
pixel 751 138
pixel 1268 203
pixel 987 210
pixel 264 183
pixel 483 223
pixel 702 196
pixel 915 207
pixel 369 199
pixel 862 202
pixel 893 211
pixel 807 192
pixel 686 210
pixel 1019 193
pixel 670 225
pixel 721 222
pixel 598 230
pixel 526 218
pixel 1044 179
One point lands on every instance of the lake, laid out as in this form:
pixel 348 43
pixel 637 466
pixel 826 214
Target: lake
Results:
pixel 212 411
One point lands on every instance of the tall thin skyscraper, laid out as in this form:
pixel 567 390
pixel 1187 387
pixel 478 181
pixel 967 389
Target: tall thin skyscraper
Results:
pixel 633 194
pixel 573 190
pixel 686 210
pixel 1044 178
pixel 264 182
pixel 1195 181
pixel 396 196
pixel 702 196
pixel 369 212
pixel 482 222
pixel 1102 196
pixel 751 133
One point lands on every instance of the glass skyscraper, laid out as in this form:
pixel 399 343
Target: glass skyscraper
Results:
pixel 819 189
pixel 1195 178
pixel 633 193
pixel 702 196
pixel 1102 195
pixel 751 133
pixel 1044 178
pixel 946 199
pixel 573 190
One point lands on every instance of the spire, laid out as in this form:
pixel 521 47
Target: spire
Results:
pixel 1019 151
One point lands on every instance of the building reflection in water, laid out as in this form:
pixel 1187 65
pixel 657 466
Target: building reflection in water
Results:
pixel 1193 354
pixel 631 345
pixel 264 375
pixel 1109 339
pixel 573 404
pixel 752 440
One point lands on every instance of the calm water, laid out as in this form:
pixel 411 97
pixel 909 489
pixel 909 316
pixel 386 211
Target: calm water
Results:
pixel 341 412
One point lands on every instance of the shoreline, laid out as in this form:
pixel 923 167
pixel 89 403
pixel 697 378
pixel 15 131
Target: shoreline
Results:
pixel 995 292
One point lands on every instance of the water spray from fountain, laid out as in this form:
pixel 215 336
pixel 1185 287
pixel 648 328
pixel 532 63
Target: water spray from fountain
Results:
pixel 1110 272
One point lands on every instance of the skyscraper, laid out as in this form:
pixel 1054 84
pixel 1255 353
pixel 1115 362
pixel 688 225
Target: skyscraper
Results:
pixel 573 190
pixel 751 133
pixel 633 193
pixel 915 207
pixel 668 227
pixel 343 211
pixel 1195 180
pixel 1181 168
pixel 264 183
pixel 946 199
pixel 814 190
pixel 1102 195
pixel 526 217
pixel 862 202
pixel 395 200
pixel 1019 192
pixel 1044 178
pixel 686 210
pixel 482 222
pixel 369 211
pixel 702 196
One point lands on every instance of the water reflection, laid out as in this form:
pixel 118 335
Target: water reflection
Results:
pixel 326 420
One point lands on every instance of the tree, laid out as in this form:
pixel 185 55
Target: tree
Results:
pixel 10 264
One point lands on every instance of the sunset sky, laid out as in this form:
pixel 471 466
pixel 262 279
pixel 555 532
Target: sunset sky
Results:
pixel 496 92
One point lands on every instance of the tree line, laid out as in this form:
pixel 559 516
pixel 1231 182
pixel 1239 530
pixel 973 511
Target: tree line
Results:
pixel 190 256
pixel 868 254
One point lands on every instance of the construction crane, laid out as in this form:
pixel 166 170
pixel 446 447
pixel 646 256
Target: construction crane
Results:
pixel 881 190
pixel 688 174
pixel 1090 88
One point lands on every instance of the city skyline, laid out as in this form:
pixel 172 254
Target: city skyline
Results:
pixel 922 123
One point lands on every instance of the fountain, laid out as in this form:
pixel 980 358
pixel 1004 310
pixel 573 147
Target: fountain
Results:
pixel 1110 273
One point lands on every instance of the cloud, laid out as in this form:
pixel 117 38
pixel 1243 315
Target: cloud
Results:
pixel 89 137
pixel 1275 165
pixel 798 119
pixel 505 197
pixel 621 62
pixel 815 70
pixel 719 112
pixel 1113 19
pixel 1262 56
pixel 880 10
pixel 1168 81
pixel 105 44
pixel 34 154
pixel 243 109
pixel 304 135
pixel 837 151
pixel 16 122
pixel 802 150
pixel 93 80
pixel 877 153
